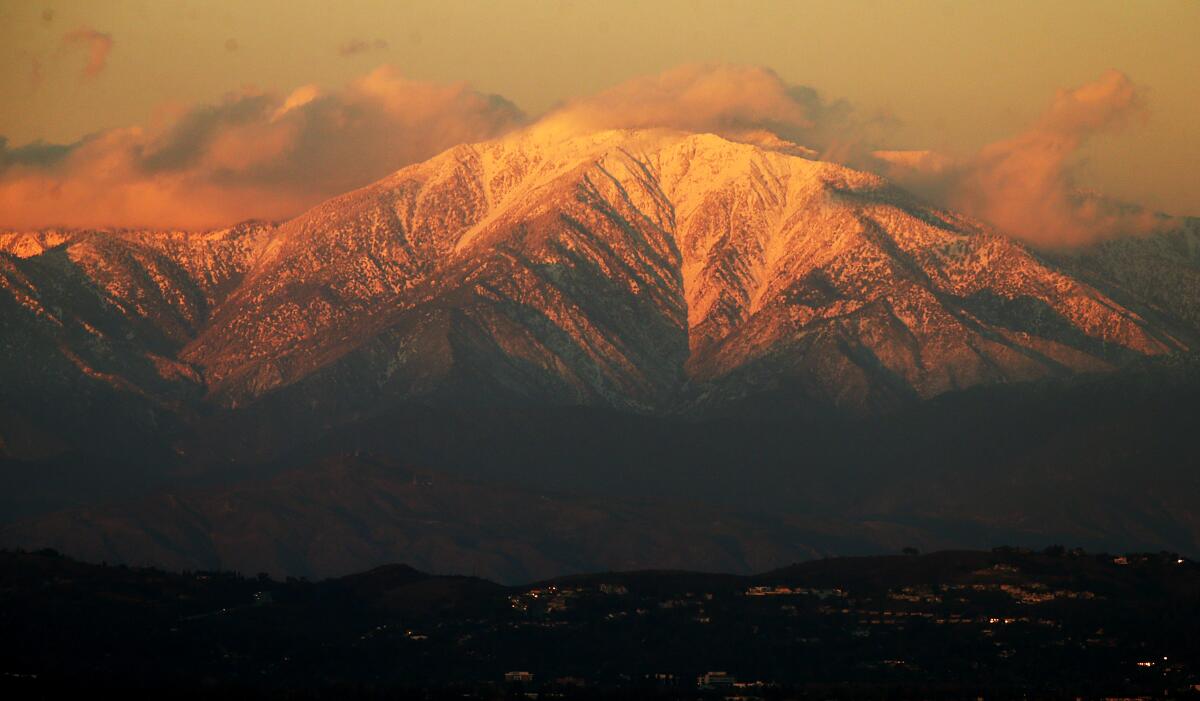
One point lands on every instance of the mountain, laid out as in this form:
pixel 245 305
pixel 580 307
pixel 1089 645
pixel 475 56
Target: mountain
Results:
pixel 92 324
pixel 648 271
pixel 1156 274
pixel 651 271
pixel 649 314
pixel 1103 461
pixel 349 513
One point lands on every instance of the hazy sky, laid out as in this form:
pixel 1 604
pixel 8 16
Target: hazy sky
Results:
pixel 950 76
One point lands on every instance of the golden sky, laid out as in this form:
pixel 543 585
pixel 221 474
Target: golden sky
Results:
pixel 947 76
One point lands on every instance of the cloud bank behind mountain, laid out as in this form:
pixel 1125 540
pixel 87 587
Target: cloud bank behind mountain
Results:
pixel 263 155
pixel 252 155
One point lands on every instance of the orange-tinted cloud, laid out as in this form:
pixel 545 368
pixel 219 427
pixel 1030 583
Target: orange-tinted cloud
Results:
pixel 253 155
pixel 1025 185
pixel 98 45
pixel 693 98
pixel 740 102
pixel 262 155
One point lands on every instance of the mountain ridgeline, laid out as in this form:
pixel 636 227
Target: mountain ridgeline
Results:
pixel 720 312
pixel 659 272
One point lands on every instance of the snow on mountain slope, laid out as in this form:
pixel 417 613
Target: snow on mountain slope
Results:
pixel 836 282
pixel 171 280
pixel 650 270
pixel 1157 274
pixel 94 319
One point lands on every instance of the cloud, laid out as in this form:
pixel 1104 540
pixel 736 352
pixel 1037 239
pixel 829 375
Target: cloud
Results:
pixel 98 45
pixel 39 153
pixel 734 101
pixel 1026 185
pixel 354 47
pixel 265 155
pixel 252 155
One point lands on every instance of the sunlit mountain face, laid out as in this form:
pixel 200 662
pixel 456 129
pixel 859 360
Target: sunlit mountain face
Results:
pixel 659 272
pixel 618 313
pixel 703 319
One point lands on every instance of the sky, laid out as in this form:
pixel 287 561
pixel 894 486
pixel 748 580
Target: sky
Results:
pixel 975 83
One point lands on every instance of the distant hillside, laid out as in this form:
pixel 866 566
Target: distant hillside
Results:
pixel 1105 462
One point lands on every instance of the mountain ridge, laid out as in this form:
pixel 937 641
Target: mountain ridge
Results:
pixel 467 313
pixel 741 251
pixel 738 259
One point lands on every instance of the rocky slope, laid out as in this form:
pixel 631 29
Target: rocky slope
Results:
pixel 91 324
pixel 1157 274
pixel 653 271
pixel 544 309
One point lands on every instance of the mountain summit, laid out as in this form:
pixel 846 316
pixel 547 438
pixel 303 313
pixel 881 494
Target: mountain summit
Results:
pixel 656 271
pixel 540 310
pixel 649 270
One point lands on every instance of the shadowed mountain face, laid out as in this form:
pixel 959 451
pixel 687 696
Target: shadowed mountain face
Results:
pixel 1103 462
pixel 350 512
pixel 459 311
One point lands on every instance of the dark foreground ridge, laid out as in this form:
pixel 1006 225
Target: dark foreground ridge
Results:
pixel 1006 623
